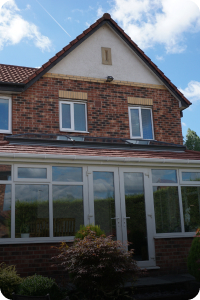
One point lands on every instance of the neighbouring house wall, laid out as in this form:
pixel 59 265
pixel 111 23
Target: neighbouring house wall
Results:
pixel 171 257
pixel 37 109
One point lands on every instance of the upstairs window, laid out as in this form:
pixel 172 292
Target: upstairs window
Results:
pixel 73 116
pixel 5 115
pixel 141 125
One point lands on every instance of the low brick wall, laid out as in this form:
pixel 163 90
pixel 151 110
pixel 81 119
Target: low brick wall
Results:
pixel 171 257
pixel 171 254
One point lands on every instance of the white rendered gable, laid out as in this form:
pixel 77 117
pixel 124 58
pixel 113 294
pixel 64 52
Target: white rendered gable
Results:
pixel 86 60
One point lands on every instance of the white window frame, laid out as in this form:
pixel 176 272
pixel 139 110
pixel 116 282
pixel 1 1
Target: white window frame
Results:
pixel 194 183
pixel 71 103
pixel 9 130
pixel 140 120
pixel 32 180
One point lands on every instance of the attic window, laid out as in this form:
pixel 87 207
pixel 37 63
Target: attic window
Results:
pixel 106 56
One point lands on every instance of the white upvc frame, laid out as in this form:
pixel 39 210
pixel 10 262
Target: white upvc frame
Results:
pixel 194 183
pixel 139 108
pixel 9 130
pixel 169 234
pixel 71 103
pixel 149 213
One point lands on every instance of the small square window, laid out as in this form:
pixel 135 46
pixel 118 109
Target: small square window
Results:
pixel 73 116
pixel 5 115
pixel 106 56
pixel 141 123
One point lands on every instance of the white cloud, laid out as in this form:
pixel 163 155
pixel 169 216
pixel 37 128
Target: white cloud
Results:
pixel 192 91
pixel 183 124
pixel 149 22
pixel 13 28
pixel 159 57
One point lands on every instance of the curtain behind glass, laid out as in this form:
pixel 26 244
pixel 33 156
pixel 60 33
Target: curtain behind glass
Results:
pixel 79 117
pixel 135 122
pixel 146 124
pixel 4 103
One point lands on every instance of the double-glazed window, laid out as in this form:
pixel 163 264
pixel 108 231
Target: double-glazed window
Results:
pixel 176 200
pixel 5 114
pixel 40 202
pixel 73 116
pixel 141 125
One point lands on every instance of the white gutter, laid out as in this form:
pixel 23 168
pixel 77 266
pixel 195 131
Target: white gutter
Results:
pixel 98 158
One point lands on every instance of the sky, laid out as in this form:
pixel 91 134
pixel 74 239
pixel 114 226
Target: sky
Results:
pixel 168 31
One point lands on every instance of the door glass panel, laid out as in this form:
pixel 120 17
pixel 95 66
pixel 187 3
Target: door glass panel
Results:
pixel 104 201
pixel 191 207
pixel 136 214
pixel 166 206
pixel 31 210
pixel 5 210
pixel 67 209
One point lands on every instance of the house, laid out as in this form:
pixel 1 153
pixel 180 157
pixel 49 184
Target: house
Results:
pixel 94 136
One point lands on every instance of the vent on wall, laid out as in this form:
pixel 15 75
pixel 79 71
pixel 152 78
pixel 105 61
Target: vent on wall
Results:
pixel 106 56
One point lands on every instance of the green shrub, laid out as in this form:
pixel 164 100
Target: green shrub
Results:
pixel 38 285
pixel 9 280
pixel 85 230
pixel 97 263
pixel 193 263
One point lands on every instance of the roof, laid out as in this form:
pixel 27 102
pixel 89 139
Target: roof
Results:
pixel 6 148
pixel 15 74
pixel 33 75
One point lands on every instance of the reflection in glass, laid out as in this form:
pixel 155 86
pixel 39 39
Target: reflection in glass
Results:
pixel 146 124
pixel 31 210
pixel 104 201
pixel 5 172
pixel 66 117
pixel 166 206
pixel 67 174
pixel 164 176
pixel 135 122
pixel 191 176
pixel 135 210
pixel 79 117
pixel 4 114
pixel 5 210
pixel 67 209
pixel 191 207
pixel 32 173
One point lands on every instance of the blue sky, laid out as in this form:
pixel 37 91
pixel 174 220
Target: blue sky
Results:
pixel 32 31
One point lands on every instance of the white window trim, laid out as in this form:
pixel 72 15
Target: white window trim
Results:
pixel 71 103
pixel 9 114
pixel 140 120
pixel 32 180
pixel 194 183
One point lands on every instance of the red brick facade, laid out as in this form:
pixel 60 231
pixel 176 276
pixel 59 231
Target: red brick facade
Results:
pixel 171 257
pixel 37 109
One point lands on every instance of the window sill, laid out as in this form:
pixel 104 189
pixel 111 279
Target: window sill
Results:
pixel 170 236
pixel 68 130
pixel 41 240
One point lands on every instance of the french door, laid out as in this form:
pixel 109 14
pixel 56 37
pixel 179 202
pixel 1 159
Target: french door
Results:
pixel 119 202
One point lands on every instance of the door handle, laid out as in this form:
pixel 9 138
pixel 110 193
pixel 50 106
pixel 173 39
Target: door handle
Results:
pixel 115 218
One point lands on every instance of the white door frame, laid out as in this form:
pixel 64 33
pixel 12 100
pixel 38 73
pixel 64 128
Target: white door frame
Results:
pixel 120 210
pixel 149 212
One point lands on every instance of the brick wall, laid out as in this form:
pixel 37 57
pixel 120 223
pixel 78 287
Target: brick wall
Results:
pixel 171 255
pixel 36 110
